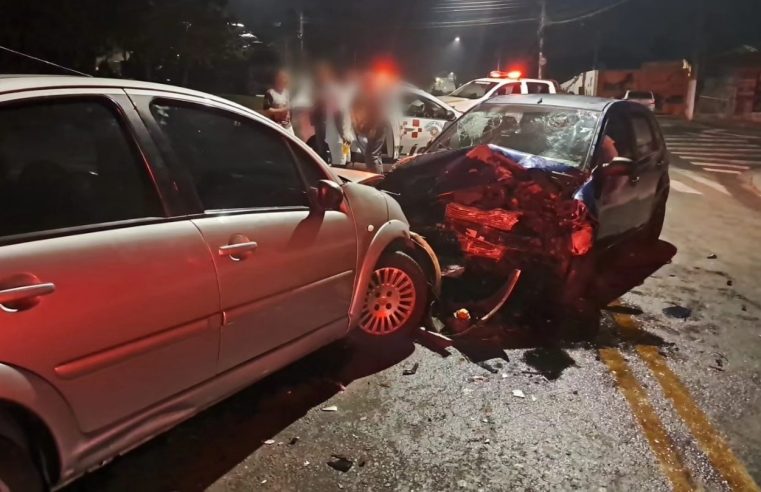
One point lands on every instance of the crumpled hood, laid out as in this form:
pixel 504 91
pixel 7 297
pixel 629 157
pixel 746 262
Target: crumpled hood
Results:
pixel 434 173
pixel 492 201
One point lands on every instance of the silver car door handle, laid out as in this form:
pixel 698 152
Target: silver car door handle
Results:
pixel 16 294
pixel 236 249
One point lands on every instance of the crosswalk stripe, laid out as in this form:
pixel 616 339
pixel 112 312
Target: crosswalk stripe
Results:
pixel 683 188
pixel 716 164
pixel 711 139
pixel 711 146
pixel 753 155
pixel 722 171
pixel 702 158
pixel 704 181
pixel 700 143
pixel 719 154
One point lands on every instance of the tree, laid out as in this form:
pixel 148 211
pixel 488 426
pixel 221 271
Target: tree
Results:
pixel 165 39
pixel 175 36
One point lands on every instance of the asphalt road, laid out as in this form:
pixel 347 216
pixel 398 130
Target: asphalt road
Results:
pixel 668 396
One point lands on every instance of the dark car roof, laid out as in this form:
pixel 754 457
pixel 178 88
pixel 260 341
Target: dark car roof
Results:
pixel 588 103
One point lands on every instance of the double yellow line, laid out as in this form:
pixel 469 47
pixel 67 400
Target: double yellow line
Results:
pixel 710 441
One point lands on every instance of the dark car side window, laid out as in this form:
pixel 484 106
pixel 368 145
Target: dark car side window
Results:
pixel 67 163
pixel 616 140
pixel 644 136
pixel 509 89
pixel 537 88
pixel 235 162
pixel 309 169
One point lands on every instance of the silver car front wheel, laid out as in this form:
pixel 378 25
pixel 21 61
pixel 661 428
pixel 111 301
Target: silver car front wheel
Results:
pixel 396 297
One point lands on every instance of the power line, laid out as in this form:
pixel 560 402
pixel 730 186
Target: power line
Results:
pixel 19 53
pixel 491 21
pixel 588 14
pixel 497 21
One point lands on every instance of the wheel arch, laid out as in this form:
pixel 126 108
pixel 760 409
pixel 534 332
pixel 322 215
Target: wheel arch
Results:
pixel 27 430
pixel 43 417
pixel 395 236
pixel 388 233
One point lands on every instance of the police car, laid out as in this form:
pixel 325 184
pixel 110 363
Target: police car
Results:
pixel 420 118
pixel 497 84
pixel 423 118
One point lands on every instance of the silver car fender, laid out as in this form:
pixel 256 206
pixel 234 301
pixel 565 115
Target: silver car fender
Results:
pixel 389 232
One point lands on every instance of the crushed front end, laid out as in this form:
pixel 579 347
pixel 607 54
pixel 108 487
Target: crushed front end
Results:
pixel 489 212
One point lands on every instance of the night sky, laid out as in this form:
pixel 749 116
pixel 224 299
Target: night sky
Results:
pixel 419 34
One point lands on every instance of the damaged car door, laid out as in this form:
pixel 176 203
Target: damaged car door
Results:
pixel 652 162
pixel 616 178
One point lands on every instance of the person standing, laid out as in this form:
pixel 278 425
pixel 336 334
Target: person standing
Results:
pixel 323 77
pixel 277 101
pixel 368 114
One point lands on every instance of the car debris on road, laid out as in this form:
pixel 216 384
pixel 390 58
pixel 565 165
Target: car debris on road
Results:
pixel 679 312
pixel 340 463
pixel 412 370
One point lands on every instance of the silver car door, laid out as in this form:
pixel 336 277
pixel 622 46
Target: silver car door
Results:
pixel 284 271
pixel 100 293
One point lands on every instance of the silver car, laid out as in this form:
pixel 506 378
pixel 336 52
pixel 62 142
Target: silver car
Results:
pixel 160 249
pixel 645 98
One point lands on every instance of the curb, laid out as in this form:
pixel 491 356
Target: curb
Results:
pixel 753 177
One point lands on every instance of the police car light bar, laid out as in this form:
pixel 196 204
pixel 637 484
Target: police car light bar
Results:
pixel 512 74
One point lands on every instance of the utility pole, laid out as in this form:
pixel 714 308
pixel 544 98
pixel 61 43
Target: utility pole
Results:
pixel 692 85
pixel 301 35
pixel 542 61
pixel 596 52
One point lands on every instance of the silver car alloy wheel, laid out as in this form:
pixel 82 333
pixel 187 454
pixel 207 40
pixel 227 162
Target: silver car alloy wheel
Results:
pixel 389 303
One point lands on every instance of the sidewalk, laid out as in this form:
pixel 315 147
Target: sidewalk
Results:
pixel 754 178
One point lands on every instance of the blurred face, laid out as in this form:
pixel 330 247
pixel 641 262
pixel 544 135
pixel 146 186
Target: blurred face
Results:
pixel 323 74
pixel 281 81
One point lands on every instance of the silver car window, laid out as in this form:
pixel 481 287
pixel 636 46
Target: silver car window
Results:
pixel 235 163
pixel 67 163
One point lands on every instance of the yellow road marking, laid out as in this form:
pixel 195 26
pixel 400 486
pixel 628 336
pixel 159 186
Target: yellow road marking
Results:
pixel 656 434
pixel 711 442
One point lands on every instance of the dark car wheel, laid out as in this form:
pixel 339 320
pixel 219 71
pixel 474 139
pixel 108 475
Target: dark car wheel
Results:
pixel 18 472
pixel 396 298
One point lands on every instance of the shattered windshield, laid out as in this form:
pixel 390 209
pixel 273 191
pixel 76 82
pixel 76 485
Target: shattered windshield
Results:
pixel 561 134
pixel 474 90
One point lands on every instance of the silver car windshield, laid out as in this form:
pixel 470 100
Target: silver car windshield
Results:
pixel 561 134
